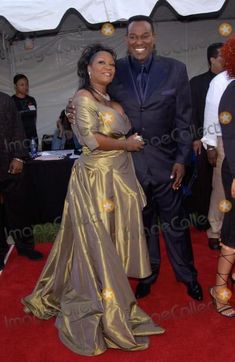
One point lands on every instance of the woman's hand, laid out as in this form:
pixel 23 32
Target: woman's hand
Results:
pixel 15 167
pixel 70 111
pixel 134 143
pixel 233 189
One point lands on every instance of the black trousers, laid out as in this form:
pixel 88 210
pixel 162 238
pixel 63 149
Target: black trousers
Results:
pixel 165 213
pixel 201 190
pixel 13 214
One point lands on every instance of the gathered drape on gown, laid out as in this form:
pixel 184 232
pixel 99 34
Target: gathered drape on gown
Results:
pixel 101 239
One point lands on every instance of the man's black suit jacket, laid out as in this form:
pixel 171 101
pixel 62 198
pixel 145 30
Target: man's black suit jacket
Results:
pixel 11 135
pixel 163 118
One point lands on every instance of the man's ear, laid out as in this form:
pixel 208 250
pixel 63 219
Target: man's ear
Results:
pixel 212 60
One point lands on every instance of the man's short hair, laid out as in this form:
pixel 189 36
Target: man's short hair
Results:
pixel 140 18
pixel 18 77
pixel 213 51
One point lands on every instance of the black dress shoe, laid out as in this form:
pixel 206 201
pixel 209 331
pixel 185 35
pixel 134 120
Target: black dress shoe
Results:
pixel 144 286
pixel 30 253
pixel 195 290
pixel 142 290
pixel 214 243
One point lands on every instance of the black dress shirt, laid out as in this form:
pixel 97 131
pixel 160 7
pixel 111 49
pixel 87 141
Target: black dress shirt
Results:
pixel 140 69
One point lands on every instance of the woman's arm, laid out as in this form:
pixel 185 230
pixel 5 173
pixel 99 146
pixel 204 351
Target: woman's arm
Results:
pixel 129 144
pixel 233 189
pixel 87 125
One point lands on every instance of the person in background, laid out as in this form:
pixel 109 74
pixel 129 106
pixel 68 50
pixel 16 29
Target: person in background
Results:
pixel 220 106
pixel 26 106
pixel 27 110
pixel 64 138
pixel 213 144
pixel 12 155
pixel 202 200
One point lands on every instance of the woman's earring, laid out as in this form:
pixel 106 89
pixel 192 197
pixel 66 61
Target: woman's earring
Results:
pixel 89 73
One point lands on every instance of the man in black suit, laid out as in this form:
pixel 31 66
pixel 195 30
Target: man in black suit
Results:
pixel 155 94
pixel 12 154
pixel 203 184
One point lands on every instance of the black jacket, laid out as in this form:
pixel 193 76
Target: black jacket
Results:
pixel 163 118
pixel 11 135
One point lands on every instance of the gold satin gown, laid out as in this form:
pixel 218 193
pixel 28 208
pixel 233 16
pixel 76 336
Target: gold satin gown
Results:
pixel 100 241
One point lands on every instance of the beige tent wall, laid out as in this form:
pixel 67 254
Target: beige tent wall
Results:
pixel 5 68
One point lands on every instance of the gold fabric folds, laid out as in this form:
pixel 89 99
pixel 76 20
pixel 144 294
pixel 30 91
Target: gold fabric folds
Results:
pixel 101 239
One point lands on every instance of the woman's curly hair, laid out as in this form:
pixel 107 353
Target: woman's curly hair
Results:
pixel 87 58
pixel 228 55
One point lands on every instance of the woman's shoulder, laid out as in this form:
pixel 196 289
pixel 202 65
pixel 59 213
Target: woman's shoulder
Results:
pixel 83 97
pixel 84 93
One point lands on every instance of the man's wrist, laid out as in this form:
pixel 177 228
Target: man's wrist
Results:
pixel 210 148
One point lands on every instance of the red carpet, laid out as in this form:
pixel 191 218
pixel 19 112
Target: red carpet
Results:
pixel 194 331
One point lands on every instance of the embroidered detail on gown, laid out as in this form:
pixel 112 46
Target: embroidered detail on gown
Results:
pixel 101 239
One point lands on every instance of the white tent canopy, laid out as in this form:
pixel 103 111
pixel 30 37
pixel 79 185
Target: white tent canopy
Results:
pixel 28 15
pixel 51 63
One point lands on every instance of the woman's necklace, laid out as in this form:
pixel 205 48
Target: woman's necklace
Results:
pixel 105 96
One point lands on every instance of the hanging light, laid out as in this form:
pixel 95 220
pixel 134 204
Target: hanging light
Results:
pixel 107 29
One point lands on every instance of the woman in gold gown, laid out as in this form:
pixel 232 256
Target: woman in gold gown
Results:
pixel 101 239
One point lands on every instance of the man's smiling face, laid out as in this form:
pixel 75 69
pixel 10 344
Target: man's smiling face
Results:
pixel 140 40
